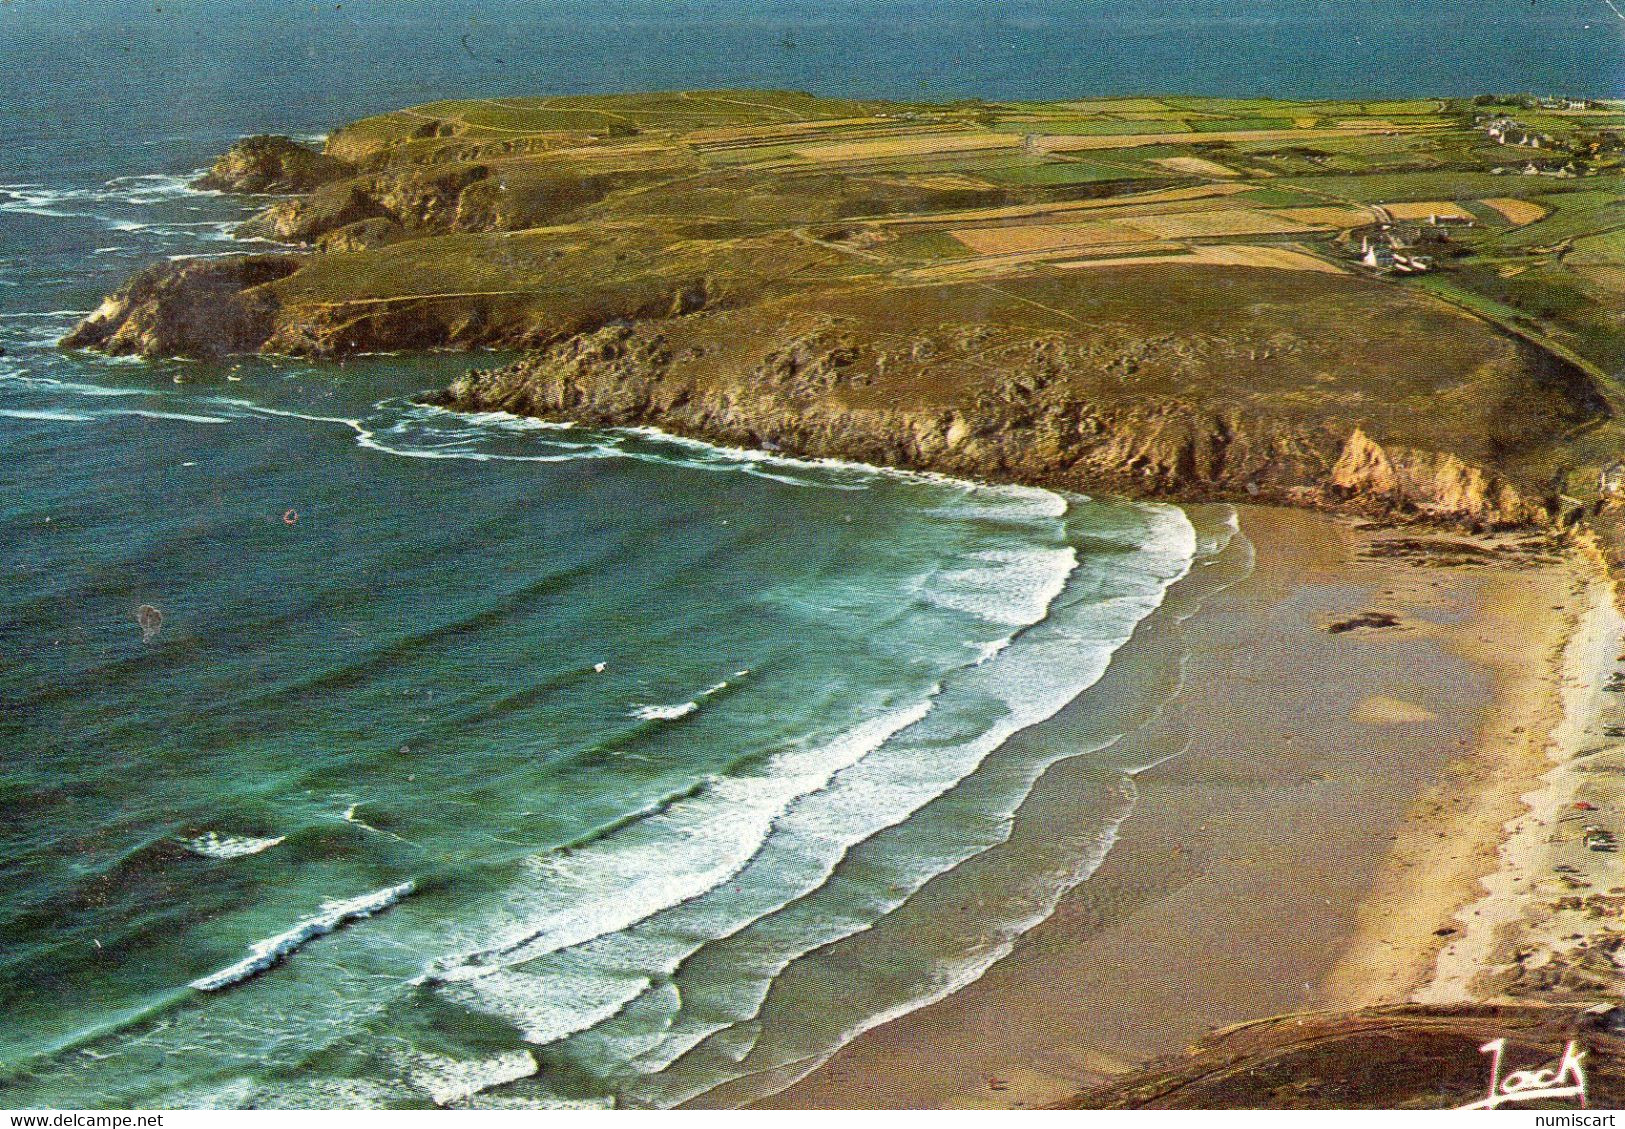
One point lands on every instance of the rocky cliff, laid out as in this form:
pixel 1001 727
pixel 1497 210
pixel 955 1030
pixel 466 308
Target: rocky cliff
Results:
pixel 771 269
pixel 269 164
pixel 190 308
pixel 822 388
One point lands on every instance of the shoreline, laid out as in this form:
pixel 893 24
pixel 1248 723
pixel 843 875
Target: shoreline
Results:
pixel 1497 808
pixel 1272 867
pixel 1539 927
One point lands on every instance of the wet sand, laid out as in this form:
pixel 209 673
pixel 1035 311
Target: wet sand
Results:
pixel 1341 797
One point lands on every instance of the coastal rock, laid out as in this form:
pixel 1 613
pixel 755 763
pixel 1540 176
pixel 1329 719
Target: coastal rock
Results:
pixel 421 203
pixel 438 199
pixel 267 163
pixel 360 235
pixel 1439 485
pixel 813 394
pixel 307 218
pixel 189 308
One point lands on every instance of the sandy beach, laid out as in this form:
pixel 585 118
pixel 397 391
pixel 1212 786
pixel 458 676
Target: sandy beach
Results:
pixel 1366 713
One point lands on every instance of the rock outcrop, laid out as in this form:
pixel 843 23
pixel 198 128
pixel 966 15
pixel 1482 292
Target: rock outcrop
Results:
pixel 203 308
pixel 1400 1056
pixel 433 200
pixel 270 164
pixel 791 400
pixel 1429 481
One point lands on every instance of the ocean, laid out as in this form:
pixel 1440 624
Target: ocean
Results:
pixel 359 753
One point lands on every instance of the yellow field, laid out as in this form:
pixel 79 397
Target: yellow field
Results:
pixel 1280 258
pixel 995 265
pixel 1517 211
pixel 1067 143
pixel 1222 255
pixel 780 131
pixel 1421 210
pixel 1044 237
pixel 1020 211
pixel 1199 166
pixel 1202 225
pixel 1124 106
pixel 907 146
pixel 942 181
pixel 1327 216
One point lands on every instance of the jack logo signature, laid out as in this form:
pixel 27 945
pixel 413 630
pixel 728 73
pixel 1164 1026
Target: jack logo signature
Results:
pixel 1566 1080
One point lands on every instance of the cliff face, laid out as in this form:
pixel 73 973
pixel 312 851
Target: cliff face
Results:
pixel 191 308
pixel 792 396
pixel 436 199
pixel 272 165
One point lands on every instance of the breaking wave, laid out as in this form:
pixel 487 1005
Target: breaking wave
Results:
pixel 265 954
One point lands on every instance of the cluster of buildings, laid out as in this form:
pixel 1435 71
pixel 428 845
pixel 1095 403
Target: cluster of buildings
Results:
pixel 1510 131
pixel 1532 169
pixel 1390 251
pixel 1408 248
pixel 1564 103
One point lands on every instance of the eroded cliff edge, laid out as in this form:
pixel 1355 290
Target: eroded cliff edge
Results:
pixel 1438 418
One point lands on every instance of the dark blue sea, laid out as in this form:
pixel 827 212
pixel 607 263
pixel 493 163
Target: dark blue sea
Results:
pixel 482 761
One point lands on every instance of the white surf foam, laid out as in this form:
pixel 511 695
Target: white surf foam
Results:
pixel 660 861
pixel 69 202
pixel 264 954
pixel 448 1080
pixel 682 709
pixel 67 387
pixel 1005 586
pixel 664 713
pixel 46 414
pixel 216 846
pixel 183 417
pixel 1032 679
pixel 810 831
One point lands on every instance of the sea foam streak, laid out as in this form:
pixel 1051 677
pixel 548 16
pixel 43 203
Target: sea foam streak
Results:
pixel 664 713
pixel 449 1080
pixel 681 709
pixel 634 873
pixel 215 846
pixel 264 954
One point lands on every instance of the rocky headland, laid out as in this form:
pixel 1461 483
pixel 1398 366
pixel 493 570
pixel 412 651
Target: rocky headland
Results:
pixel 915 286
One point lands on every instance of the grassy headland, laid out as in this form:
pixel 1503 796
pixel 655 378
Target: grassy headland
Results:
pixel 1056 273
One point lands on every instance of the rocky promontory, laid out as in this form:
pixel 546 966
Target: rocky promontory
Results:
pixel 969 288
pixel 270 164
pixel 189 308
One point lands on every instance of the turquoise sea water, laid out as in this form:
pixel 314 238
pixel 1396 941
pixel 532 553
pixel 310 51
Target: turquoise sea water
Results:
pixel 478 760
